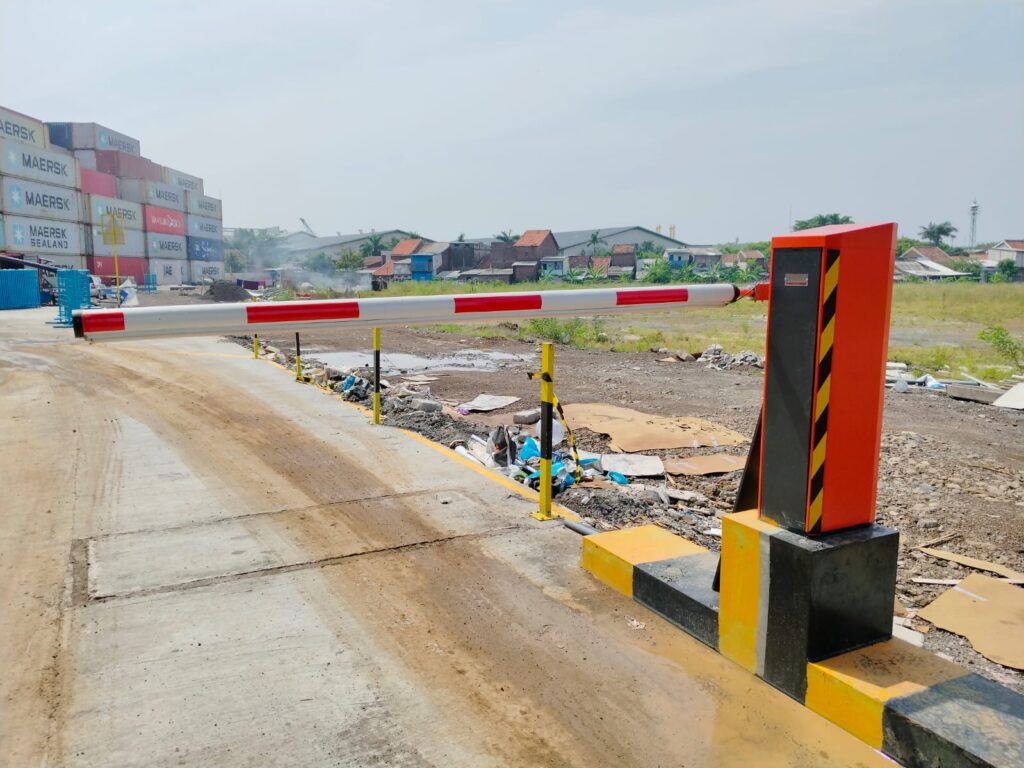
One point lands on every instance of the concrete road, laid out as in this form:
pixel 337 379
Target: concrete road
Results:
pixel 204 563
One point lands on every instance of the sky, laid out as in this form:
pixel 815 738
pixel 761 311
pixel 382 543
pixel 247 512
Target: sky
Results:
pixel 728 119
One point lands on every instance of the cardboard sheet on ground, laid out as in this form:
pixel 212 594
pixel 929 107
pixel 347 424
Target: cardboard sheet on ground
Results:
pixel 973 562
pixel 1012 398
pixel 488 402
pixel 631 430
pixel 704 465
pixel 632 464
pixel 988 612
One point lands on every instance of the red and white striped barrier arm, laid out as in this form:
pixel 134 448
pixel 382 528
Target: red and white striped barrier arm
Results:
pixel 261 317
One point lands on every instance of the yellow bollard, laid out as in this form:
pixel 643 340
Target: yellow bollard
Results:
pixel 255 346
pixel 298 359
pixel 376 375
pixel 547 405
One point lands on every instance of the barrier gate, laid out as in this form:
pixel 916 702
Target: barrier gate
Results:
pixel 805 574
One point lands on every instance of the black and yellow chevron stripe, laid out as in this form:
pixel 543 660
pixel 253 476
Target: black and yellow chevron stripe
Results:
pixel 828 334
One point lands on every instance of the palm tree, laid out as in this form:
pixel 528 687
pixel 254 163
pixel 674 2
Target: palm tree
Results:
pixel 594 239
pixel 373 246
pixel 506 236
pixel 934 233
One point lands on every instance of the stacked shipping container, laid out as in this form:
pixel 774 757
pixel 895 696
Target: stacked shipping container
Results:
pixel 40 201
pixel 58 180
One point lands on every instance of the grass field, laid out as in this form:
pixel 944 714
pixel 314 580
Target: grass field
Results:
pixel 934 327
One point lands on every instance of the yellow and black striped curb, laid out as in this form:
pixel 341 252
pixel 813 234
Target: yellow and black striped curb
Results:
pixel 912 705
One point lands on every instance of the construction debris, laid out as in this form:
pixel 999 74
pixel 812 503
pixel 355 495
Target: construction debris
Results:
pixel 973 562
pixel 988 612
pixel 716 357
pixel 485 403
pixel 632 431
pixel 1013 398
pixel 632 464
pixel 714 464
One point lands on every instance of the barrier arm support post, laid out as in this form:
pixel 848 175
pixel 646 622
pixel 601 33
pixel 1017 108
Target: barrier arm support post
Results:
pixel 255 346
pixel 376 375
pixel 547 406
pixel 298 358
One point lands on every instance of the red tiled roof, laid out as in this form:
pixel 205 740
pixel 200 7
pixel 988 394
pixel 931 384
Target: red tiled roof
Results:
pixel 532 237
pixel 930 252
pixel 750 254
pixel 1017 245
pixel 372 261
pixel 406 248
pixel 623 248
pixel 388 270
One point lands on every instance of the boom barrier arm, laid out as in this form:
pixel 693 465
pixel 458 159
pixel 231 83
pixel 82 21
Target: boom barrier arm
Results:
pixel 240 318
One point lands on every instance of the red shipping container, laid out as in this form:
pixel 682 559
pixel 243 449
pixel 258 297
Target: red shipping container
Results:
pixel 163 220
pixel 97 183
pixel 129 266
pixel 126 166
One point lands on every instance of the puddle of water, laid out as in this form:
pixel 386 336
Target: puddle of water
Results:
pixel 400 362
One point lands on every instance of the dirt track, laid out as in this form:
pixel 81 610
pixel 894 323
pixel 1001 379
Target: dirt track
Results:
pixel 204 563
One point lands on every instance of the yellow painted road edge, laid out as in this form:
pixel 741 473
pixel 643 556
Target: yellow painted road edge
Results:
pixel 522 490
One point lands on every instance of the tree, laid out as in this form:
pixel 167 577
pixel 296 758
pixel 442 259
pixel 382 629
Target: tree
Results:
pixel 259 248
pixel 594 239
pixel 461 238
pixel 413 235
pixel 349 260
pixel 934 233
pixel 373 246
pixel 658 271
pixel 320 262
pixel 904 244
pixel 1004 344
pixel 647 246
pixel 971 266
pixel 1008 269
pixel 821 220
pixel 572 274
pixel 506 236
pixel 234 260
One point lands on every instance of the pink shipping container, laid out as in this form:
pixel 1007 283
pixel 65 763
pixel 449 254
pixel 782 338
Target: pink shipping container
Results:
pixel 97 183
pixel 163 220
pixel 128 266
pixel 126 166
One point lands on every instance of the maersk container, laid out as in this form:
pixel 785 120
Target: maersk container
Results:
pixel 19 127
pixel 45 201
pixel 91 136
pixel 183 180
pixel 163 220
pixel 100 205
pixel 199 271
pixel 134 243
pixel 160 246
pixel 97 183
pixel 204 249
pixel 31 235
pixel 64 260
pixel 127 266
pixel 86 159
pixel 29 162
pixel 152 193
pixel 126 166
pixel 200 226
pixel 168 271
pixel 201 205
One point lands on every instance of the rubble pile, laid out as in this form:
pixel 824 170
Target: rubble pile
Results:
pixel 717 358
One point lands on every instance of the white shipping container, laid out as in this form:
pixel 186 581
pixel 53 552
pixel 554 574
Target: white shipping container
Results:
pixel 19 127
pixel 152 193
pixel 98 205
pixel 93 136
pixel 29 198
pixel 201 205
pixel 86 158
pixel 1 233
pixel 168 271
pixel 31 235
pixel 134 243
pixel 183 180
pixel 165 246
pixel 29 162
pixel 200 226
pixel 199 271
pixel 65 260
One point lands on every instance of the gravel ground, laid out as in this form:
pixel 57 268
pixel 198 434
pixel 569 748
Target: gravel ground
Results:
pixel 946 467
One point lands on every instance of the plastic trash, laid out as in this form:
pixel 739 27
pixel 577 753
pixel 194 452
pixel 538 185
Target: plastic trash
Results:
pixel 349 381
pixel 557 431
pixel 529 450
pixel 617 478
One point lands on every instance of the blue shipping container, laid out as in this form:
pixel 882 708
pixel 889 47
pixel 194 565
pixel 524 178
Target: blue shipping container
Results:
pixel 205 249
pixel 60 134
pixel 19 288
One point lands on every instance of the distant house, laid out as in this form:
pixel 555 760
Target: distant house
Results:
pixel 752 259
pixel 535 245
pixel 1008 249
pixel 928 252
pixel 602 264
pixel 623 255
pixel 299 245
pixel 525 271
pixel 574 242
pixel 924 269
pixel 678 257
pixel 406 248
pixel 704 256
pixel 556 265
pixel 403 268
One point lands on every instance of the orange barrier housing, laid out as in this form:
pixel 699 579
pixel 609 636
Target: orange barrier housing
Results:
pixel 828 330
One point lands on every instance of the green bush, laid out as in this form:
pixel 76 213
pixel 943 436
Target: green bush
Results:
pixel 1005 345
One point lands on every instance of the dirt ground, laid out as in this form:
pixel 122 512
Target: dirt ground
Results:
pixel 948 468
